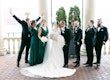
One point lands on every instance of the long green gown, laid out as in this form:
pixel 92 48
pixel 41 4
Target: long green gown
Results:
pixel 42 45
pixel 34 48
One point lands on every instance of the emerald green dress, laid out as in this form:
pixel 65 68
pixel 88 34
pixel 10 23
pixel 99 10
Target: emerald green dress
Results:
pixel 34 48
pixel 42 45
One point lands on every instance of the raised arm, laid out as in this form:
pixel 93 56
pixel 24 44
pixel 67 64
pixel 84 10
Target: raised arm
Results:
pixel 15 17
pixel 39 19
pixel 29 23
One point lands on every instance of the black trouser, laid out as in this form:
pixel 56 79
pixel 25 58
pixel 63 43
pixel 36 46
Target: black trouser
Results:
pixel 98 49
pixel 65 50
pixel 24 43
pixel 89 50
pixel 77 52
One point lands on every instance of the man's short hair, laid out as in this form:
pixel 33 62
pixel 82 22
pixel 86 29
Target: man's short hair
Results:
pixel 92 21
pixel 76 21
pixel 100 19
pixel 27 19
pixel 62 22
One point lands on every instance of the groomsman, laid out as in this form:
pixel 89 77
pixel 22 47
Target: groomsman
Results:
pixel 77 40
pixel 66 33
pixel 101 39
pixel 90 37
pixel 25 39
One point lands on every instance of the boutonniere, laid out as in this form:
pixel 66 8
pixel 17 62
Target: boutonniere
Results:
pixel 76 31
pixel 102 30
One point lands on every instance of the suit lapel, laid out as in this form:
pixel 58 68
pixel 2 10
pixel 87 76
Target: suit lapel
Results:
pixel 101 29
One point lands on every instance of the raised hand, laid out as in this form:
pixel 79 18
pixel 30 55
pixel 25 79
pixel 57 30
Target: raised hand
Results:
pixel 11 11
pixel 29 23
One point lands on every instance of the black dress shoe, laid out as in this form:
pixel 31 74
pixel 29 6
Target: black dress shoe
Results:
pixel 89 65
pixel 98 64
pixel 26 61
pixel 77 65
pixel 95 63
pixel 75 62
pixel 17 64
pixel 85 63
pixel 65 66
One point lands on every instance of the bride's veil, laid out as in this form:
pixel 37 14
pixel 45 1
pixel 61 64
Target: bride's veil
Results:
pixel 49 45
pixel 47 50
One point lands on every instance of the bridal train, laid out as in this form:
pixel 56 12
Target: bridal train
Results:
pixel 52 66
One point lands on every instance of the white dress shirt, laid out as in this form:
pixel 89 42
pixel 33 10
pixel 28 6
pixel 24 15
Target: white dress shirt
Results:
pixel 63 30
pixel 98 28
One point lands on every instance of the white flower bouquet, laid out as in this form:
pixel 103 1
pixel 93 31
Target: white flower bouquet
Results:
pixel 44 39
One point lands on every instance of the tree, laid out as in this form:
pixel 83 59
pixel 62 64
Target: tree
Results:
pixel 61 14
pixel 74 14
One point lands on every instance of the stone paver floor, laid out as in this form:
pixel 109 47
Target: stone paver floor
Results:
pixel 9 71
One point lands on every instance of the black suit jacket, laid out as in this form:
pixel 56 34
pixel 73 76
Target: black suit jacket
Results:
pixel 77 36
pixel 90 36
pixel 101 35
pixel 66 36
pixel 25 32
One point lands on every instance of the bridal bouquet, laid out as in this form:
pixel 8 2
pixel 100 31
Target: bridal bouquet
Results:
pixel 44 39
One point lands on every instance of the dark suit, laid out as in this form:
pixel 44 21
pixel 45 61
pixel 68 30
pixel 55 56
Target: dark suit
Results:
pixel 101 35
pixel 25 38
pixel 77 38
pixel 66 35
pixel 90 37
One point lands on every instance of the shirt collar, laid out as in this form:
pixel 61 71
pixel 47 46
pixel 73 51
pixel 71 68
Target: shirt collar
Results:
pixel 63 28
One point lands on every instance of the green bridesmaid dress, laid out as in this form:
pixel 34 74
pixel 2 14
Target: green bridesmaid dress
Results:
pixel 34 48
pixel 42 45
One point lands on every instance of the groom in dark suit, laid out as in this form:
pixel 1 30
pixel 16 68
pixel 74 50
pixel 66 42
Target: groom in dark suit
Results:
pixel 90 39
pixel 77 40
pixel 101 39
pixel 25 38
pixel 66 33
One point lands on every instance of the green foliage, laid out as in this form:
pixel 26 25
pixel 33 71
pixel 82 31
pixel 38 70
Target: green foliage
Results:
pixel 74 14
pixel 61 14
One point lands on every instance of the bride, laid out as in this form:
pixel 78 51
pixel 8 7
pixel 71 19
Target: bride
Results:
pixel 52 66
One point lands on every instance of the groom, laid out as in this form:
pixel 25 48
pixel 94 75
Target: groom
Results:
pixel 65 32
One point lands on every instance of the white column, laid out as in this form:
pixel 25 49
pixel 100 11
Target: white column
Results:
pixel 88 14
pixel 2 49
pixel 43 8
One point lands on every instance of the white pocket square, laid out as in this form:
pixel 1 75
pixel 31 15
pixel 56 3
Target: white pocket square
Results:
pixel 102 30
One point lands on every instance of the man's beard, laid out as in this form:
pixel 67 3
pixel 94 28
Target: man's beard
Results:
pixel 99 25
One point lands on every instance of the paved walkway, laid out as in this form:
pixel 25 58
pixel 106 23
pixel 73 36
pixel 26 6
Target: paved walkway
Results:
pixel 9 71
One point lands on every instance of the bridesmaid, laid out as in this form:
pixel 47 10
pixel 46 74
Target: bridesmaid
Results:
pixel 42 32
pixel 34 48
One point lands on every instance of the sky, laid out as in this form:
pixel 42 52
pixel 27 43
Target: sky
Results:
pixel 20 7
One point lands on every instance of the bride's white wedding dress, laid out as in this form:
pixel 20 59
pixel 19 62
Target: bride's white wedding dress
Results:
pixel 52 66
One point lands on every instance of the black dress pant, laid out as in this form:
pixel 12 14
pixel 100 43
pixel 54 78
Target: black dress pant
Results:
pixel 65 50
pixel 89 50
pixel 77 51
pixel 98 49
pixel 24 43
